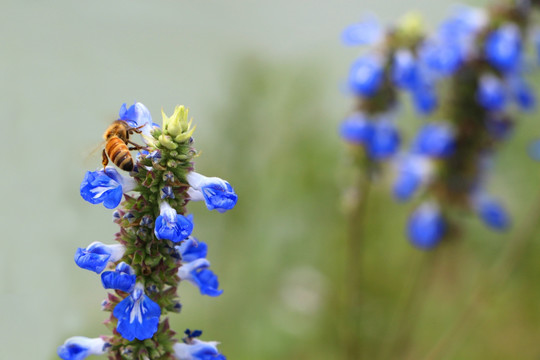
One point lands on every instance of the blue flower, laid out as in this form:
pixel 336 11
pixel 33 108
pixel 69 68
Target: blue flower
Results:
pixel 79 347
pixel 172 226
pixel 385 140
pixel 167 192
pixel 503 48
pixel 197 350
pixel 366 75
pixel 413 171
pixel 367 32
pixel 491 211
pixel 424 93
pixel 137 116
pixel 356 129
pixel 97 255
pixel 404 69
pixel 138 316
pixel 441 57
pixel 218 194
pixel 521 92
pixel 197 273
pixel 191 249
pixel 499 127
pixel 426 227
pixel 435 140
pixel 105 186
pixel 491 93
pixel 122 278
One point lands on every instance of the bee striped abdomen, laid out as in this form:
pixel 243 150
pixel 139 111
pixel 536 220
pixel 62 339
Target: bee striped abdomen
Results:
pixel 119 154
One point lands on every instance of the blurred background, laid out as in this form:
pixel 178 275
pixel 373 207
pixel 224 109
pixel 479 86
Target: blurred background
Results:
pixel 262 80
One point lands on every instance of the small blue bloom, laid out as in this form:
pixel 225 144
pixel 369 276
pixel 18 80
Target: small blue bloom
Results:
pixel 521 92
pixel 412 171
pixel 197 273
pixel 97 255
pixel 105 186
pixel 172 226
pixel 217 193
pixel 441 57
pixel 356 129
pixel 491 93
pixel 197 350
pixel 79 347
pixel 167 192
pixel 424 94
pixel 491 212
pixel 137 116
pixel 191 249
pixel 503 48
pixel 404 69
pixel 385 140
pixel 426 227
pixel 367 32
pixel 122 278
pixel 435 140
pixel 366 75
pixel 498 127
pixel 138 316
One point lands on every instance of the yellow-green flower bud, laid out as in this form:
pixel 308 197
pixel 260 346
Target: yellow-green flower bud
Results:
pixel 167 141
pixel 411 24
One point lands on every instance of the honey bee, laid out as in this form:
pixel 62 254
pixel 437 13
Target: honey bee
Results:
pixel 117 143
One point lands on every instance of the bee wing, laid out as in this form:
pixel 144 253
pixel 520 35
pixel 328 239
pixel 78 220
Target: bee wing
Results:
pixel 93 155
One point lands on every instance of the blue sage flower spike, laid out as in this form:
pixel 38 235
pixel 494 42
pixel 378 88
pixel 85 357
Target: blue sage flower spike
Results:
pixel 138 316
pixel 80 347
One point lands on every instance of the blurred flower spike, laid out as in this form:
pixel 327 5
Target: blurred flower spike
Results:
pixel 155 249
pixel 471 74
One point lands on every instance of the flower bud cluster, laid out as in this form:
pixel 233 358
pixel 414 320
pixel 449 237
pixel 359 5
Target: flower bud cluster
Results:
pixel 155 249
pixel 470 77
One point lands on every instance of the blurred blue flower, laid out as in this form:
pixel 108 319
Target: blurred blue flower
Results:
pixel 424 94
pixel 105 186
pixel 97 255
pixel 172 226
pixel 138 316
pixel 412 171
pixel 521 92
pixel 441 57
pixel 217 193
pixel 197 273
pixel 503 48
pixel 491 211
pixel 366 75
pixel 385 140
pixel 367 32
pixel 357 129
pixel 191 249
pixel 426 227
pixel 79 347
pixel 435 139
pixel 499 127
pixel 404 69
pixel 491 93
pixel 197 350
pixel 122 278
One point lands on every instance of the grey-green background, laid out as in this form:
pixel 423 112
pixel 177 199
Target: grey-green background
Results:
pixel 262 80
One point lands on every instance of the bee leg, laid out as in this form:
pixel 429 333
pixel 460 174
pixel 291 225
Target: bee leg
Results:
pixel 135 146
pixel 104 159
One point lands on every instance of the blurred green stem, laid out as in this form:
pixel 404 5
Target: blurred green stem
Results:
pixel 484 291
pixel 351 316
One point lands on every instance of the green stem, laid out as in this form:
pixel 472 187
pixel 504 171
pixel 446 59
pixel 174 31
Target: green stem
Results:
pixel 494 278
pixel 351 316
